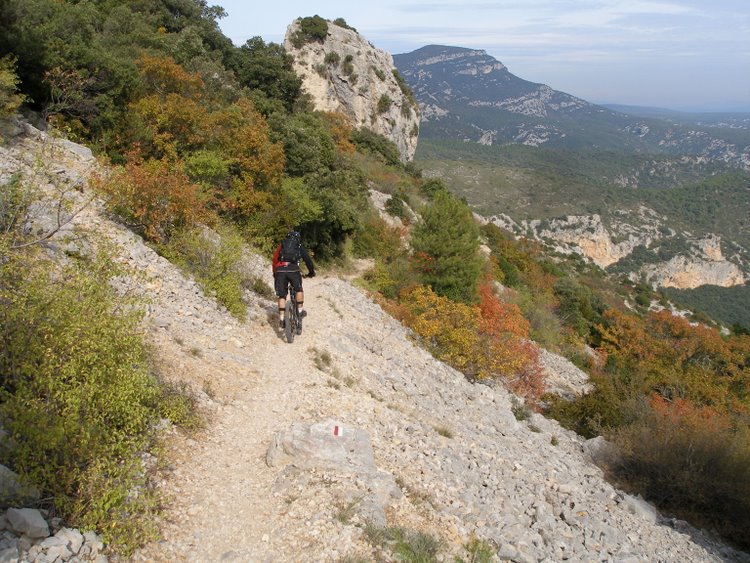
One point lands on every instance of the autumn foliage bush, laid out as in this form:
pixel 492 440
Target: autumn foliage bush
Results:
pixel 674 398
pixel 665 354
pixel 482 341
pixel 225 147
pixel 155 197
pixel 511 352
pixel 692 461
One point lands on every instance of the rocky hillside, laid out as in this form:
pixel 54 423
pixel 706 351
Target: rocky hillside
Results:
pixel 345 73
pixel 468 95
pixel 319 449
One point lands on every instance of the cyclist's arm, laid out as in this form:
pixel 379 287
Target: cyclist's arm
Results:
pixel 308 261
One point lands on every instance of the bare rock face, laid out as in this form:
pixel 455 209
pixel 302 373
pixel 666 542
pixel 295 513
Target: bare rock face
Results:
pixel 344 73
pixel 591 237
pixel 706 264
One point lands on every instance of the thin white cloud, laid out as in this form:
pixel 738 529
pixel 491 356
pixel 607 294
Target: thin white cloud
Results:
pixel 545 36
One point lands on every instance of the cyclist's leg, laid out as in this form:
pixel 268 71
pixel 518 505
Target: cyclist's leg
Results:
pixel 296 278
pixel 279 279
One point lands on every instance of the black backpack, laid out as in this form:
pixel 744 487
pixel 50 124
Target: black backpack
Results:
pixel 291 250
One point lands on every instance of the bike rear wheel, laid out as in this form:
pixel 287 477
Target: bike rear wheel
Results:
pixel 290 315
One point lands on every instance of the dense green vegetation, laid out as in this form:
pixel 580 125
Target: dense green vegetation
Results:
pixel 206 134
pixel 727 304
pixel 446 244
pixel 79 400
pixel 504 173
pixel 720 205
pixel 202 134
pixel 311 29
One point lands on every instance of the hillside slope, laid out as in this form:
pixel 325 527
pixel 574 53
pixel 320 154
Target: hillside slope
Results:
pixel 421 447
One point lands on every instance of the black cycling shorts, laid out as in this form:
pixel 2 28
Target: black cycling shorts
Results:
pixel 282 280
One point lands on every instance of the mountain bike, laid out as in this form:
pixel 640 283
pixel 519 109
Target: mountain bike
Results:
pixel 293 323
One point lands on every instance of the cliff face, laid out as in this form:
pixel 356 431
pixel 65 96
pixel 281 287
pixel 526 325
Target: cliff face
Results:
pixel 591 237
pixel 705 264
pixel 345 73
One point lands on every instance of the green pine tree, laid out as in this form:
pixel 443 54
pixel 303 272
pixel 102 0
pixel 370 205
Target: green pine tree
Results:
pixel 446 245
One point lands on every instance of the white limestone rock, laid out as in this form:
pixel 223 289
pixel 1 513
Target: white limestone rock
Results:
pixel 13 491
pixel 639 507
pixel 27 521
pixel 347 74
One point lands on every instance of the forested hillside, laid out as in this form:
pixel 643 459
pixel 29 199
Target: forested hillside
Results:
pixel 535 183
pixel 195 133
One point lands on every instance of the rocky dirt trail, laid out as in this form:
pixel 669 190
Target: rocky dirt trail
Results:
pixel 459 461
pixel 273 478
pixel 226 504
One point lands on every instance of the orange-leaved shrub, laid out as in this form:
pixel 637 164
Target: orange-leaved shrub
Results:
pixel 161 75
pixel 667 355
pixel 481 341
pixel 692 461
pixel 169 125
pixel 510 351
pixel 242 135
pixel 155 197
pixel 225 146
pixel 675 399
pixel 340 128
pixel 449 330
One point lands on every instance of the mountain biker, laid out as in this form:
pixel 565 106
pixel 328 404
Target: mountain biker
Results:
pixel 286 270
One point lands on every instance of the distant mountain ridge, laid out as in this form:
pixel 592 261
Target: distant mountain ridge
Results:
pixel 733 120
pixel 468 95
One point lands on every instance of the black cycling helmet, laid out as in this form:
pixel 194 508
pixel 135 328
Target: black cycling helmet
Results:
pixel 294 234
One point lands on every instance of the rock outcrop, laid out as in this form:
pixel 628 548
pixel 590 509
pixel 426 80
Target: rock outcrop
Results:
pixel 705 264
pixel 344 73
pixel 28 535
pixel 699 261
pixel 303 449
pixel 591 237
pixel 587 235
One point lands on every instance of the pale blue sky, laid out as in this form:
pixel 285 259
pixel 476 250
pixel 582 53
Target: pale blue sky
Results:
pixel 678 54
